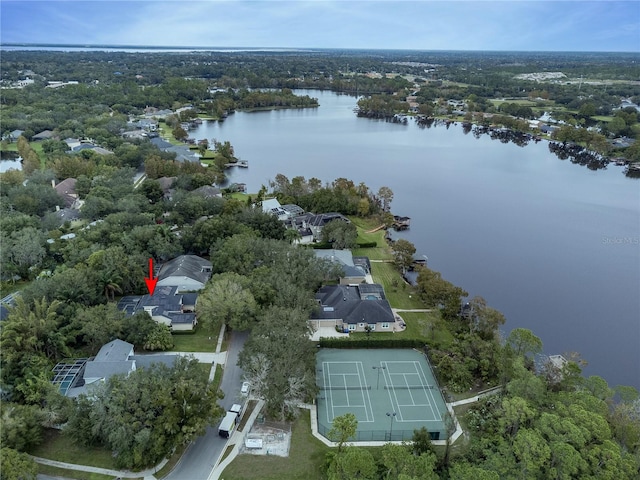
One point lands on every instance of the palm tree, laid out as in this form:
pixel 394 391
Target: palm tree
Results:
pixel 292 234
pixel 110 281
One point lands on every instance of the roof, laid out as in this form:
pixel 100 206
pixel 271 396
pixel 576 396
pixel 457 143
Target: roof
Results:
pixel 352 305
pixel 44 135
pixel 344 258
pixel 190 266
pixel 165 301
pixel 114 351
pixel 67 214
pixel 160 143
pixel 207 191
pixel 113 358
pixel 68 185
pixel 166 183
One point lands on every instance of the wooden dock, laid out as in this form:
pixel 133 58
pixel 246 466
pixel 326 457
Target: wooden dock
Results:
pixel 239 163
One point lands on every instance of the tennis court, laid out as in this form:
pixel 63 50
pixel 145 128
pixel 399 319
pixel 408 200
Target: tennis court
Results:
pixel 392 392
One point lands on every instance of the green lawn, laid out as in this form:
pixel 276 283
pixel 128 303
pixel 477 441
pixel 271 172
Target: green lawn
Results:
pixel 602 118
pixel 398 292
pixel 56 446
pixel 198 341
pixel 305 461
pixel 427 325
pixel 75 474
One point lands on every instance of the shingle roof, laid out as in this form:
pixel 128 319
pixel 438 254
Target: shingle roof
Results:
pixel 346 302
pixel 113 358
pixel 190 266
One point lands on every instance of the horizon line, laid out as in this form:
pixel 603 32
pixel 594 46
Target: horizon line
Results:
pixel 202 47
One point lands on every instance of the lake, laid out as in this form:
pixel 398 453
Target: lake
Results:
pixel 551 244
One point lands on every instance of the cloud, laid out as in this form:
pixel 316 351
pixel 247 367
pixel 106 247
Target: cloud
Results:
pixel 426 25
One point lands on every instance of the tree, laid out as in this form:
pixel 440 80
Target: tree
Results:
pixel 483 319
pixel 354 463
pixel 386 196
pixel 524 342
pixel 23 251
pixel 17 466
pixel 399 462
pixel 421 442
pixel 98 324
pixel 438 292
pixel 278 360
pixel 403 251
pixel 180 133
pixel 343 428
pixel 159 338
pixel 531 451
pixel 226 300
pixel 341 234
pixel 144 416
pixel 21 426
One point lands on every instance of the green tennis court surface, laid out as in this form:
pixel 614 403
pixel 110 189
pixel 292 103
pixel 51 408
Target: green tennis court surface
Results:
pixel 392 392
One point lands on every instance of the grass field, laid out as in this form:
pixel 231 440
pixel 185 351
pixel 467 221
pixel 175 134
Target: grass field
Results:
pixel 198 341
pixel 305 461
pixel 75 474
pixel 56 446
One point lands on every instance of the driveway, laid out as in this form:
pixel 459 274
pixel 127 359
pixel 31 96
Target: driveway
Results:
pixel 202 455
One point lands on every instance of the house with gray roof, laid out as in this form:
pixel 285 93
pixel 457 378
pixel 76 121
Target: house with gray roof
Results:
pixel 67 190
pixel 77 377
pixel 188 273
pixel 166 306
pixel 44 135
pixel 353 308
pixel 183 153
pixel 314 222
pixel 352 272
pixel 208 191
pixel 115 357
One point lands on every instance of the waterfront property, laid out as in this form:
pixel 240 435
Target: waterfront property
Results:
pixel 392 392
pixel 353 308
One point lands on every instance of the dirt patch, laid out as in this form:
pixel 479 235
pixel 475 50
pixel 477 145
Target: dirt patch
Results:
pixel 268 438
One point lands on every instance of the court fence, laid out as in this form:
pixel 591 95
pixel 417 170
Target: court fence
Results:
pixel 395 435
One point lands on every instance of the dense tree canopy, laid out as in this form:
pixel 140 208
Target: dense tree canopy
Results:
pixel 142 417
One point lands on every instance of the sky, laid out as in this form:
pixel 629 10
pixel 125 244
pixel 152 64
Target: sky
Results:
pixel 546 25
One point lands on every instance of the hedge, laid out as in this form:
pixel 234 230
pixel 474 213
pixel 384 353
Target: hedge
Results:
pixel 369 343
pixel 367 245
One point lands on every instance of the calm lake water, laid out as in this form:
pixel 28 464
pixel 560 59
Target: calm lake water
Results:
pixel 552 245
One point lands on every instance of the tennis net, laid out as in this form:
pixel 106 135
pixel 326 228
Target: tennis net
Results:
pixel 409 387
pixel 344 387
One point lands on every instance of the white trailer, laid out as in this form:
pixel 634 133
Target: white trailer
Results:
pixel 227 425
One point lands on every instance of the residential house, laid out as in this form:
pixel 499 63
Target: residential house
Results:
pixel 188 273
pixel 135 134
pixel 183 153
pixel 272 206
pixel 207 191
pixel 165 184
pixel 353 308
pixel 14 135
pixel 44 135
pixel 72 143
pixel 116 357
pixel 353 271
pixel 67 190
pixel 314 222
pixel 76 378
pixel 167 306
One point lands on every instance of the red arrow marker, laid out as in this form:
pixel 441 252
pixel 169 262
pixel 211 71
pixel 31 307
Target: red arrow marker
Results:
pixel 151 282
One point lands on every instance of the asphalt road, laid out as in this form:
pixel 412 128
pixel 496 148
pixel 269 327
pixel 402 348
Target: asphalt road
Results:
pixel 201 456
